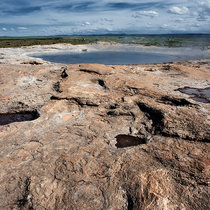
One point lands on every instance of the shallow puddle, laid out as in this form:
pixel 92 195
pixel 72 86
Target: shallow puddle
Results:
pixel 8 118
pixel 128 141
pixel 200 95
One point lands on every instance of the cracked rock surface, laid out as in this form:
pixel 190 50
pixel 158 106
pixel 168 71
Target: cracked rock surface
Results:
pixel 99 137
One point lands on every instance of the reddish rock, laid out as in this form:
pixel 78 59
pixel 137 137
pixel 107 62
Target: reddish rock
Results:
pixel 68 156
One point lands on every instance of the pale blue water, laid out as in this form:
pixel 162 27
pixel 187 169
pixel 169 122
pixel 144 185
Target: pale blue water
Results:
pixel 200 95
pixel 109 57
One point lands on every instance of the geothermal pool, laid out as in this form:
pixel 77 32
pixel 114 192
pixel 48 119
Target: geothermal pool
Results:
pixel 108 57
pixel 121 54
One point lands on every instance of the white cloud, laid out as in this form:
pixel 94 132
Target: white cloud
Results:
pixel 86 23
pixel 165 26
pixel 150 13
pixel 22 28
pixel 4 29
pixel 179 10
pixel 101 16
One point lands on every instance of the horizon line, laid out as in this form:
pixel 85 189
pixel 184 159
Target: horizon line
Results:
pixel 108 34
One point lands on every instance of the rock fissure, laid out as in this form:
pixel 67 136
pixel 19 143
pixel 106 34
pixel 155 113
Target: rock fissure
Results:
pixel 77 100
pixel 186 138
pixel 176 101
pixel 153 114
pixel 130 205
pixel 26 200
pixel 90 71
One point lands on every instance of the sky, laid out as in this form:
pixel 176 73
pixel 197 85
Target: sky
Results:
pixel 82 17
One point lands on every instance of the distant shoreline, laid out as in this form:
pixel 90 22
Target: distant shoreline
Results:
pixel 164 40
pixel 25 54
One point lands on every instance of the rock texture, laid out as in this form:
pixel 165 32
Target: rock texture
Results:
pixel 103 137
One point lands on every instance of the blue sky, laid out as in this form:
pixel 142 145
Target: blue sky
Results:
pixel 73 17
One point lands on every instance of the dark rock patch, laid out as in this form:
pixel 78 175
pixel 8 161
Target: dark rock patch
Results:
pixel 153 114
pixel 117 113
pixel 7 118
pixel 128 141
pixel 130 202
pixel 89 71
pixel 166 67
pixel 32 62
pixel 79 101
pixel 175 101
pixel 113 106
pixel 102 84
pixel 111 113
pixel 64 74
pixel 24 202
pixel 56 87
pixel 55 98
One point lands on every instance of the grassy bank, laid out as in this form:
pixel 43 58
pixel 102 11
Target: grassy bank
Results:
pixel 201 41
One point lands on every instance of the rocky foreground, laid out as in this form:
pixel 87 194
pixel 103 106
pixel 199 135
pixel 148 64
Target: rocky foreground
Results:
pixel 103 137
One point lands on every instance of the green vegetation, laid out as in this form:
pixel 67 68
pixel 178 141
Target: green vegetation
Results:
pixel 193 40
pixel 29 41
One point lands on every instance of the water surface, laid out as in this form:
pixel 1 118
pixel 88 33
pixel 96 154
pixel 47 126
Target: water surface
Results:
pixel 108 57
pixel 200 95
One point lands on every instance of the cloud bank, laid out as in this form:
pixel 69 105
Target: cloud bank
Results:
pixel 179 10
pixel 74 17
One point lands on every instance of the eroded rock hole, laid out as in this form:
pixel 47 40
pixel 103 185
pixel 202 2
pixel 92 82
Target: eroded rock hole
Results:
pixel 56 87
pixel 114 106
pixel 111 113
pixel 166 67
pixel 55 98
pixel 153 114
pixel 128 141
pixel 64 74
pixel 7 118
pixel 130 202
pixel 89 71
pixel 102 83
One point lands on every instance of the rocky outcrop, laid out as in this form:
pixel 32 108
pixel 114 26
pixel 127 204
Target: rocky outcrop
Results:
pixel 103 137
